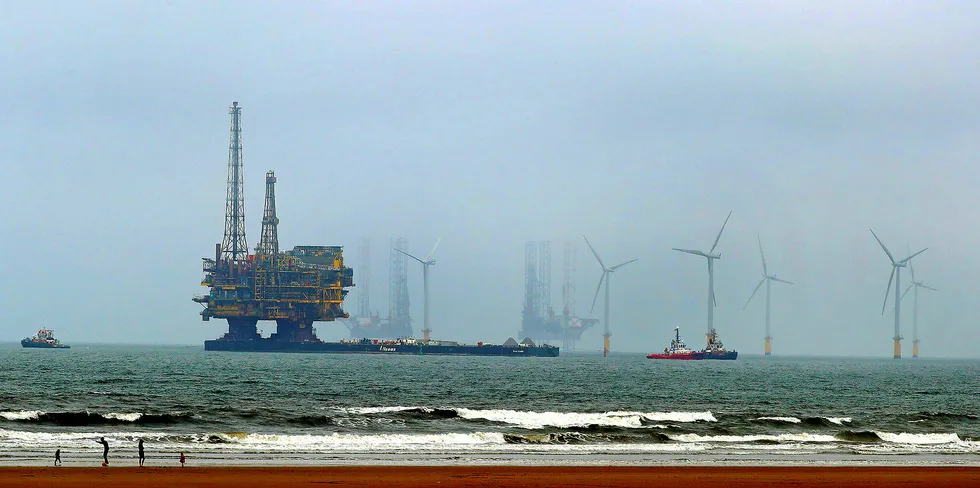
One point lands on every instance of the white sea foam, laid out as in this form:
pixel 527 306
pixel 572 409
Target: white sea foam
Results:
pixel 538 420
pixel 374 410
pixel 800 437
pixel 906 438
pixel 838 420
pixel 125 417
pixel 21 415
pixel 792 420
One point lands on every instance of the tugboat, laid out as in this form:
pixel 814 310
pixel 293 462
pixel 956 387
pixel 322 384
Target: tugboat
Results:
pixel 716 350
pixel 677 350
pixel 45 340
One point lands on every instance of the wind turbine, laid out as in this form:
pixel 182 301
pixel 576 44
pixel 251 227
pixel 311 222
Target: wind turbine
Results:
pixel 915 308
pixel 712 302
pixel 895 275
pixel 767 279
pixel 605 276
pixel 428 261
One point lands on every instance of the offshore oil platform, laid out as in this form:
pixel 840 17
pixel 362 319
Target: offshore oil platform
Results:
pixel 295 288
pixel 539 321
pixel 398 323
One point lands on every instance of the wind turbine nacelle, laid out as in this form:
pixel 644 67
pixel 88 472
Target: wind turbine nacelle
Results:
pixel 714 256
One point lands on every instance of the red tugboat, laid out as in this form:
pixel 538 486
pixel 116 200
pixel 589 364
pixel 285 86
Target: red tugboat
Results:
pixel 677 350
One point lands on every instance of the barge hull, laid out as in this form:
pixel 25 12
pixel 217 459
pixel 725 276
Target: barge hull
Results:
pixel 265 345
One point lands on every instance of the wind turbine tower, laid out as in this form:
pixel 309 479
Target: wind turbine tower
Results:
pixel 767 279
pixel 915 308
pixel 606 272
pixel 712 302
pixel 896 276
pixel 428 261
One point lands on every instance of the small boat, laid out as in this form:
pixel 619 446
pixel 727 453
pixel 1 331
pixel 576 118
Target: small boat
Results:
pixel 45 340
pixel 716 350
pixel 677 350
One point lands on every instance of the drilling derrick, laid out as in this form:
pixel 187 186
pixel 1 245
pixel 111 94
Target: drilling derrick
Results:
pixel 365 324
pixel 269 243
pixel 295 288
pixel 364 296
pixel 539 321
pixel 398 324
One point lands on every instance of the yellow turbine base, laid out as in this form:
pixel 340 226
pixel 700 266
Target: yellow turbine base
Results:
pixel 425 335
pixel 915 349
pixel 605 346
pixel 768 346
pixel 898 349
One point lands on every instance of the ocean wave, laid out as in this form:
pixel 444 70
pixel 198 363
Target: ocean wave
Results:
pixel 21 415
pixel 540 420
pixel 944 416
pixel 791 420
pixel 76 419
pixel 858 436
pixel 907 438
pixel 774 438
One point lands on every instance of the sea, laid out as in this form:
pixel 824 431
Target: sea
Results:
pixel 223 408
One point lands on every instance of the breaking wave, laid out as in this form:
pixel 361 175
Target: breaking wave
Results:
pixel 540 420
pixel 76 419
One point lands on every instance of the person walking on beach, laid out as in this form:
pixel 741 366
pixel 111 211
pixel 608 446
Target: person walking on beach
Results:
pixel 57 457
pixel 142 455
pixel 182 460
pixel 105 451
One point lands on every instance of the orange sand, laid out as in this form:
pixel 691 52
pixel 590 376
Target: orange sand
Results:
pixel 493 476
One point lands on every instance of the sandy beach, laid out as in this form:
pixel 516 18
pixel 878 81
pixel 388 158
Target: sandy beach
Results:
pixel 493 476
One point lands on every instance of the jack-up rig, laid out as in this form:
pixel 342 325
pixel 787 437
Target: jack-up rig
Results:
pixel 398 323
pixel 539 320
pixel 295 288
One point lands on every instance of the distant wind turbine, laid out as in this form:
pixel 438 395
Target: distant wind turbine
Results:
pixel 915 308
pixel 606 272
pixel 712 302
pixel 896 276
pixel 767 279
pixel 428 261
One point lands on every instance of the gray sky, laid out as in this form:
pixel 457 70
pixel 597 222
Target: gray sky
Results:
pixel 640 125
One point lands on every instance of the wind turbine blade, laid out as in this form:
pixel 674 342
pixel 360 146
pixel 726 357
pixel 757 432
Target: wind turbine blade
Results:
pixel 595 253
pixel 409 255
pixel 433 248
pixel 928 288
pixel 912 256
pixel 691 251
pixel 713 299
pixel 623 264
pixel 713 246
pixel 890 258
pixel 905 293
pixel 911 269
pixel 753 293
pixel 765 270
pixel 890 278
pixel 597 290
pixel 781 281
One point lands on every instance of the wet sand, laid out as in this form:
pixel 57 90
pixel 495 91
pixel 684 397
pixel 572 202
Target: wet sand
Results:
pixel 493 476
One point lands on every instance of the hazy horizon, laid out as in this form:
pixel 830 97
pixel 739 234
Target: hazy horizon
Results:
pixel 489 124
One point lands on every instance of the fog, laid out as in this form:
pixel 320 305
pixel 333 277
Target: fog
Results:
pixel 488 124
